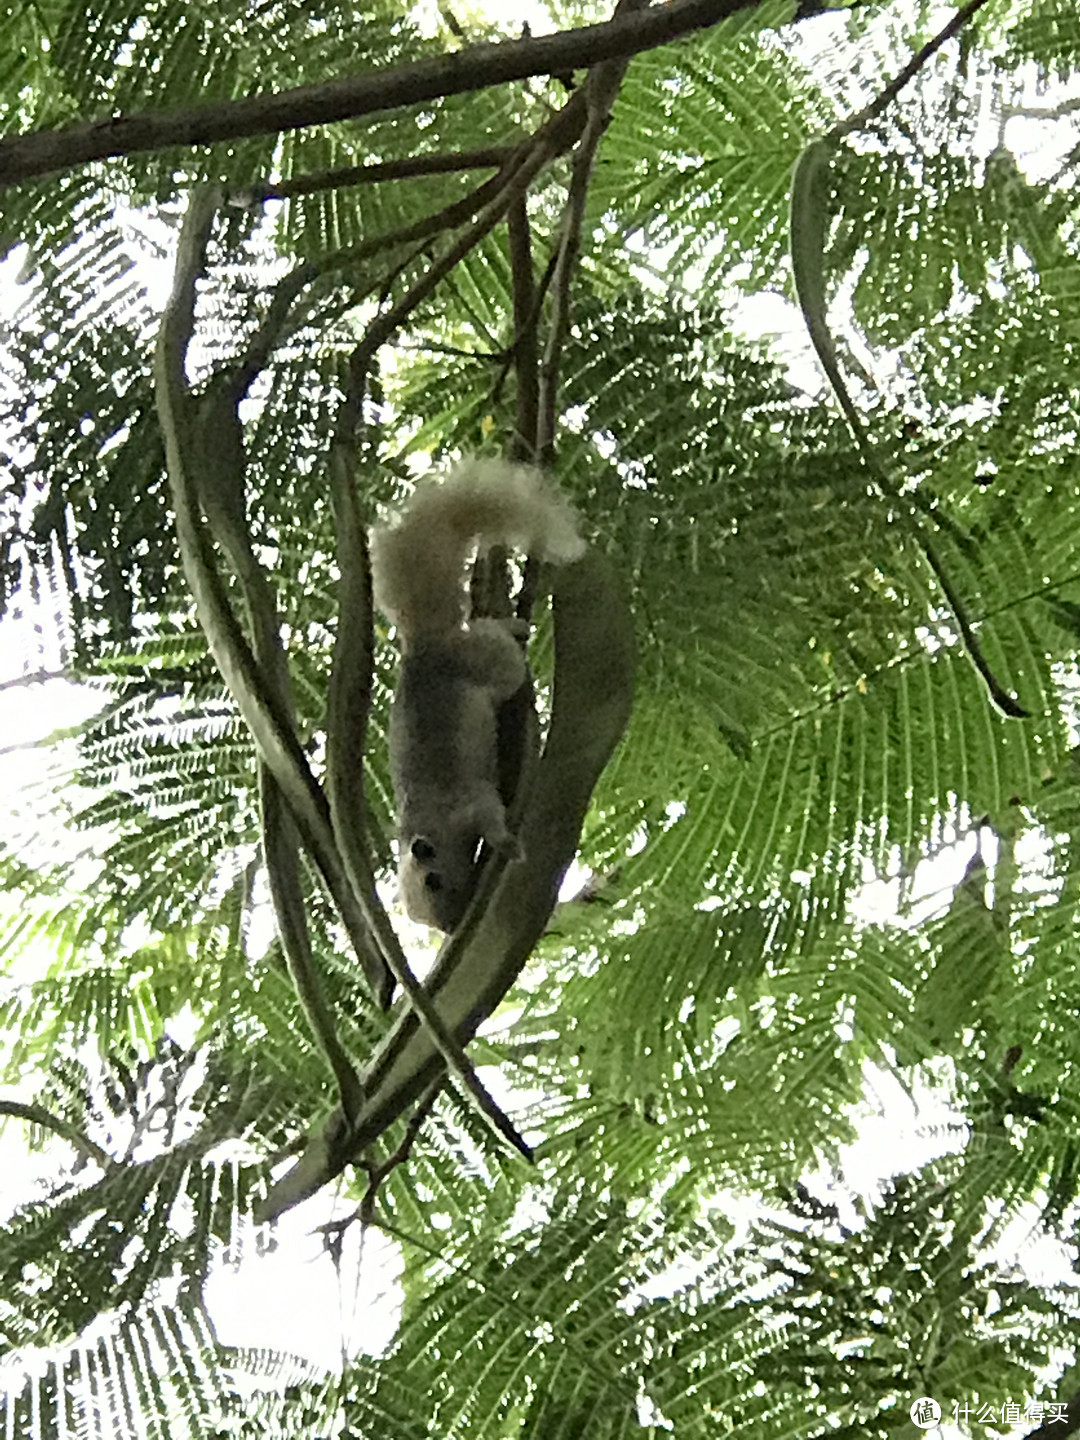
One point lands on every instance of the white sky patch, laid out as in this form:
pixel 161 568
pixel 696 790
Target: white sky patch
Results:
pixel 292 1298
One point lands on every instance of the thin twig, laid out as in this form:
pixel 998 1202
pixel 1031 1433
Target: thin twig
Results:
pixel 378 1174
pixel 258 349
pixel 540 292
pixel 407 166
pixel 351 671
pixel 448 218
pixel 41 677
pixel 908 73
pixel 601 88
pixel 333 1232
pixel 525 348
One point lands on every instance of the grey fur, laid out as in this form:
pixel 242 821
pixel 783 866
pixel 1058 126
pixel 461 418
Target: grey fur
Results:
pixel 444 763
pixel 455 673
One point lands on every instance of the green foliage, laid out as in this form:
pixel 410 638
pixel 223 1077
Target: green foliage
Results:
pixel 694 1039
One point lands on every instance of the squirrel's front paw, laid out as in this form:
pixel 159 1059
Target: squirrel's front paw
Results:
pixel 501 842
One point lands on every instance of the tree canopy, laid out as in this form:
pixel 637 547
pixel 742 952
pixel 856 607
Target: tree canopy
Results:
pixel 855 620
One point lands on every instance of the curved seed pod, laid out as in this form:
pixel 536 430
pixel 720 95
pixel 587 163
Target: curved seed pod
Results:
pixel 809 223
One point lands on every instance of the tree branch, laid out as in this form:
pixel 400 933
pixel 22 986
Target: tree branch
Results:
pixel 409 165
pixel 38 1115
pixel 477 67
pixel 428 226
pixel 560 131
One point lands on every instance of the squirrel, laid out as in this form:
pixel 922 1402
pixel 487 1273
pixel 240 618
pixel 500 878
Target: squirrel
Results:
pixel 455 673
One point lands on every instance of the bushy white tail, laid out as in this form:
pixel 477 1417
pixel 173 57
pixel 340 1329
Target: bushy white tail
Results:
pixel 418 562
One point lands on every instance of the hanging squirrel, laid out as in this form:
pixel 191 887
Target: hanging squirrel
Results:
pixel 456 673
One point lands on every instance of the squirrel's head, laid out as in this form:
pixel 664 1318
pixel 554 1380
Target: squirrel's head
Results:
pixel 438 877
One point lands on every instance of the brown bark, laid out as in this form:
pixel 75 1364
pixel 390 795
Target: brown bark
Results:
pixel 43 151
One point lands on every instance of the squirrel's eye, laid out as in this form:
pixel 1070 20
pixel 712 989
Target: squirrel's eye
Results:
pixel 422 850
